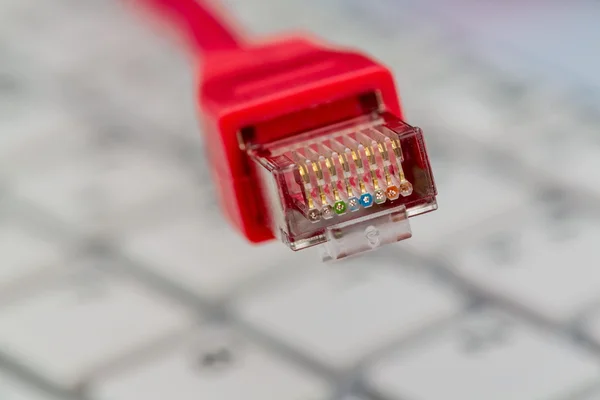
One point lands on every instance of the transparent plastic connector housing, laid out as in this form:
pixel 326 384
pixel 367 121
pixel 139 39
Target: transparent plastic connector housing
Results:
pixel 350 187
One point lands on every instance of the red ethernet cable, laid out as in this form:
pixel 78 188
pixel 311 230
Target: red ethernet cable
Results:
pixel 306 142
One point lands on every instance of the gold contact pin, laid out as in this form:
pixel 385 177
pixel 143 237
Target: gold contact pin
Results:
pixel 336 194
pixel 333 173
pixel 343 163
pixel 319 174
pixel 317 170
pixel 386 168
pixel 383 152
pixel 397 148
pixel 345 168
pixel 330 167
pixel 370 154
pixel 362 187
pixel 306 179
pixel 401 173
pixel 303 173
pixel 406 187
pixel 356 159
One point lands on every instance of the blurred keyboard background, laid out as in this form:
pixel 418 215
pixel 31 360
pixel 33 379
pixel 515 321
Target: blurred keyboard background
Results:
pixel 120 280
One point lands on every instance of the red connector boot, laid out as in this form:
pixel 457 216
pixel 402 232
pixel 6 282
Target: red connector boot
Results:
pixel 307 144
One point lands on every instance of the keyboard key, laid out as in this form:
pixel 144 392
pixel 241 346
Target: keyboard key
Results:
pixel 549 267
pixel 25 253
pixel 61 190
pixel 129 81
pixel 468 196
pixel 591 325
pixel 573 158
pixel 222 366
pixel 486 355
pixel 594 395
pixel 341 313
pixel 81 320
pixel 488 105
pixel 29 145
pixel 463 109
pixel 202 255
pixel 354 397
pixel 106 188
pixel 13 389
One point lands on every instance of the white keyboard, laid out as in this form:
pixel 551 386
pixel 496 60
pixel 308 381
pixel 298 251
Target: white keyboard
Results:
pixel 225 368
pixel 25 253
pixel 342 315
pixel 120 279
pixel 12 388
pixel 486 356
pixel 82 319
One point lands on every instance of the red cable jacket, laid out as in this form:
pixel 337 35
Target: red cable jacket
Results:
pixel 195 20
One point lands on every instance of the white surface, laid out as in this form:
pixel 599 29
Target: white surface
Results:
pixel 39 138
pixel 72 71
pixel 81 320
pixel 180 250
pixel 507 360
pixel 343 313
pixel 595 395
pixel 461 107
pixel 592 324
pixel 552 42
pixel 11 389
pixel 105 188
pixel 25 253
pixel 468 196
pixel 251 373
pixel 556 277
pixel 567 153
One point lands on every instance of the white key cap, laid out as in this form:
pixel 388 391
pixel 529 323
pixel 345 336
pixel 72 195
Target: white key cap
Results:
pixel 525 262
pixel 116 185
pixel 37 130
pixel 341 313
pixel 472 107
pixel 24 253
pixel 591 325
pixel 571 154
pixel 61 190
pixel 468 195
pixel 594 395
pixel 486 356
pixel 81 320
pixel 12 389
pixel 463 109
pixel 34 141
pixel 473 102
pixel 229 369
pixel 203 256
